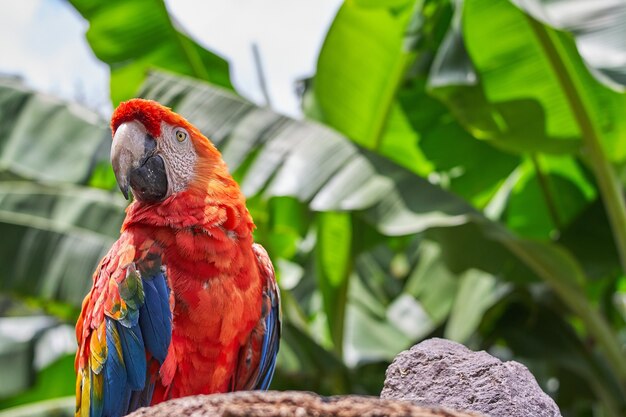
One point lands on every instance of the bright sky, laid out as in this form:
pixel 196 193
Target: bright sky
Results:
pixel 43 42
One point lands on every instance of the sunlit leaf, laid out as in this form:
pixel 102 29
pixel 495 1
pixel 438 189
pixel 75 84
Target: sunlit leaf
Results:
pixel 334 266
pixel 599 29
pixel 137 35
pixel 550 192
pixel 516 85
pixel 379 40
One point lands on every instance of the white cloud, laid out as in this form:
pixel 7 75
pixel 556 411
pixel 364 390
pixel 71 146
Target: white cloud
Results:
pixel 44 43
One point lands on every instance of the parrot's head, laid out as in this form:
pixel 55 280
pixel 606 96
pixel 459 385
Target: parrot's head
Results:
pixel 157 153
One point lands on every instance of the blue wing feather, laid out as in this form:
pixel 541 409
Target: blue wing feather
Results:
pixel 142 398
pixel 154 318
pixel 147 328
pixel 114 372
pixel 160 283
pixel 134 355
pixel 270 344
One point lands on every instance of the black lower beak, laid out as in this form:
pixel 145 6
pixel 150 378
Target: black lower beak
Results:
pixel 124 190
pixel 149 181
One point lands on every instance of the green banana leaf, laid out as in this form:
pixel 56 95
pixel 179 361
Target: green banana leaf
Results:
pixel 54 233
pixel 134 36
pixel 378 40
pixel 309 162
pixel 54 236
pixel 370 85
pixel 528 87
pixel 45 139
pixel 275 157
pixel 599 33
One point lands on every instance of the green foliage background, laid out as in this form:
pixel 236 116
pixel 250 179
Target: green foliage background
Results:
pixel 459 174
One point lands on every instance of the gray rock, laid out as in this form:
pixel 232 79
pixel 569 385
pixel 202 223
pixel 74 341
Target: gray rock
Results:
pixel 447 374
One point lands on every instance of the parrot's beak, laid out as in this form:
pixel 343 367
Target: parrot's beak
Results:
pixel 136 163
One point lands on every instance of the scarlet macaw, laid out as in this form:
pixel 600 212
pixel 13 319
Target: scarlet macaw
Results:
pixel 184 302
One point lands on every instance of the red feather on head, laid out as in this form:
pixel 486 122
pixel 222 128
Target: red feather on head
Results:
pixel 148 112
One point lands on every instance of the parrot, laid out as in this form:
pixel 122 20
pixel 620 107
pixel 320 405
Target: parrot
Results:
pixel 184 302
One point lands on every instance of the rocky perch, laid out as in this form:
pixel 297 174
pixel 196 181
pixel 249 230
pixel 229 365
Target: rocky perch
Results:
pixel 290 403
pixel 433 379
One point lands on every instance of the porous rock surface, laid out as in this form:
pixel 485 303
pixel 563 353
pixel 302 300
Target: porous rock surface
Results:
pixel 290 403
pixel 444 373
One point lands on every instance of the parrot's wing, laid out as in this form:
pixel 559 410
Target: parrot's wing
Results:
pixel 123 332
pixel 257 358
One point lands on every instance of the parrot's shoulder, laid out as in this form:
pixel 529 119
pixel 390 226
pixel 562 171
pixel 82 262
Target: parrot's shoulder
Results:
pixel 117 275
pixel 124 324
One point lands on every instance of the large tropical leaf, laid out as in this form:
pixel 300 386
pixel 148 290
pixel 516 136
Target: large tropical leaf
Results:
pixel 366 95
pixel 307 161
pixel 54 236
pixel 54 233
pixel 550 192
pixel 44 139
pixel 529 90
pixel 379 40
pixel 334 266
pixel 384 104
pixel 133 36
pixel 599 28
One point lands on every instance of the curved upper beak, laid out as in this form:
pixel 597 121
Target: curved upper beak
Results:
pixel 136 163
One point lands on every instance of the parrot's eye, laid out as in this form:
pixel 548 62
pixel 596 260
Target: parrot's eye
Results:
pixel 181 135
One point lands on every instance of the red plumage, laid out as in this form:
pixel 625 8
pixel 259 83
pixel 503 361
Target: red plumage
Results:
pixel 219 280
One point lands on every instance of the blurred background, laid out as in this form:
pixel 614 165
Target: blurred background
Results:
pixel 416 169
